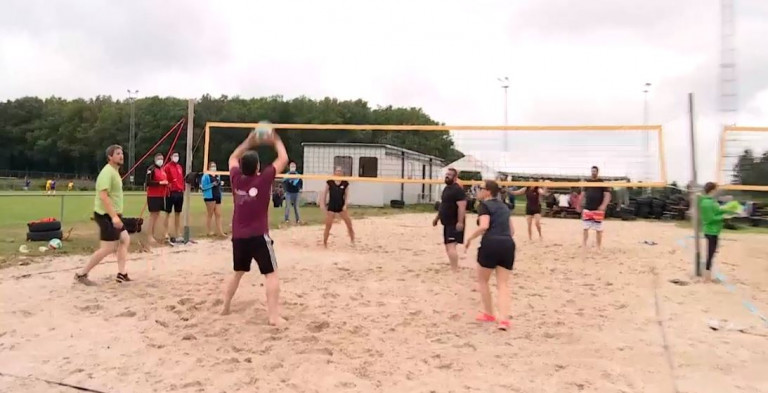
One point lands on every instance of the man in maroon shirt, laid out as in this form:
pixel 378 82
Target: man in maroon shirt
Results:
pixel 175 199
pixel 250 224
pixel 157 191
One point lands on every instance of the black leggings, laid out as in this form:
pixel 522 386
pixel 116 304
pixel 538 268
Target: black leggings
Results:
pixel 711 248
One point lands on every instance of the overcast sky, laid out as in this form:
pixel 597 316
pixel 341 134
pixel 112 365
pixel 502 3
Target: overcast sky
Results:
pixel 569 62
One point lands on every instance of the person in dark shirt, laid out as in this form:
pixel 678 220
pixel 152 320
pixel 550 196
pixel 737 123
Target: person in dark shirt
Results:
pixel 496 252
pixel 532 207
pixel 251 184
pixel 292 188
pixel 594 202
pixel 452 212
pixel 334 202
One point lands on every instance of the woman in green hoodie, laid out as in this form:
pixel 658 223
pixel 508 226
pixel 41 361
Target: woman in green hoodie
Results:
pixel 712 222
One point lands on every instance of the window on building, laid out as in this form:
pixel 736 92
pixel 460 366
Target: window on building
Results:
pixel 369 167
pixel 345 162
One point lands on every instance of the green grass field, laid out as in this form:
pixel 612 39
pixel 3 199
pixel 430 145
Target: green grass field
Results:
pixel 18 208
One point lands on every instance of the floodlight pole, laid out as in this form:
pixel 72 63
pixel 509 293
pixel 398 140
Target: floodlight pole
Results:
pixel 132 133
pixel 505 85
pixel 187 186
pixel 646 137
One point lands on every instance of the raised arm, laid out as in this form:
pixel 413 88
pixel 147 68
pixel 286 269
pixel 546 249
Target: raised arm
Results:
pixel 520 191
pixel 282 155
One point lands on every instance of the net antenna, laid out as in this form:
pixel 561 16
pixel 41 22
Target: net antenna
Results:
pixel 541 155
pixel 743 161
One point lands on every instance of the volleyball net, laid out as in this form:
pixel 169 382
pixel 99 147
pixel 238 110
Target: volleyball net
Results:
pixel 743 160
pixel 554 156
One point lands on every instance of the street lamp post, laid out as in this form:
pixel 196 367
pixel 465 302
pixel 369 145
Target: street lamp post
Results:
pixel 646 137
pixel 132 133
pixel 505 85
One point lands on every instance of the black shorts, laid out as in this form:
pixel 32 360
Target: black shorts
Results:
pixel 174 202
pixel 532 210
pixel 451 235
pixel 155 204
pixel 335 208
pixel 107 231
pixel 216 198
pixel 259 248
pixel 496 251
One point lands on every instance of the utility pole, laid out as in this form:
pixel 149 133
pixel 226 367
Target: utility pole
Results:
pixel 646 137
pixel 505 85
pixel 132 133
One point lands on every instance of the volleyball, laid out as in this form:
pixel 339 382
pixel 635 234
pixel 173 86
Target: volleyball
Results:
pixel 55 244
pixel 263 130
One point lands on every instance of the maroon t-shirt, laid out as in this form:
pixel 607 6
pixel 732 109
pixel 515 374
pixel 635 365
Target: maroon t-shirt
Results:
pixel 251 194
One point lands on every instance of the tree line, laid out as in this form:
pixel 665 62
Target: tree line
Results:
pixel 750 169
pixel 70 136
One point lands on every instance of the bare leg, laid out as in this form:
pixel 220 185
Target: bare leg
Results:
pixel 105 249
pixel 529 220
pixel 176 225
pixel 537 220
pixel 586 237
pixel 599 237
pixel 209 207
pixel 328 225
pixel 234 282
pixel 502 284
pixel 153 218
pixel 453 256
pixel 167 224
pixel 122 251
pixel 483 275
pixel 348 221
pixel 217 214
pixel 273 295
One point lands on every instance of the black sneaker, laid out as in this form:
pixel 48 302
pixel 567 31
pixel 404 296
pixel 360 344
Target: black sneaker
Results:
pixel 122 277
pixel 83 279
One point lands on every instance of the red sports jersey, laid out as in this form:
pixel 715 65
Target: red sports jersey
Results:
pixel 175 174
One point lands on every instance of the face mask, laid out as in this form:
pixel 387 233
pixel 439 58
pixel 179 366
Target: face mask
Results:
pixel 175 158
pixel 159 162
pixel 293 169
pixel 213 169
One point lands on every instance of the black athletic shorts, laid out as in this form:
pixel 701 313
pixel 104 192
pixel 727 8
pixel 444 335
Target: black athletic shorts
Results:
pixel 155 204
pixel 107 231
pixel 532 210
pixel 216 198
pixel 496 251
pixel 259 248
pixel 174 202
pixel 451 235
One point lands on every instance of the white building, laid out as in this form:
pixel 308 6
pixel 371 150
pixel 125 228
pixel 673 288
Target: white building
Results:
pixel 376 161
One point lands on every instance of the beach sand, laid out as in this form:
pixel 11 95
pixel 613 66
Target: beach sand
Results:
pixel 388 316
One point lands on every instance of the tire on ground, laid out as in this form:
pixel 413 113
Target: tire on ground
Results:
pixel 44 226
pixel 43 236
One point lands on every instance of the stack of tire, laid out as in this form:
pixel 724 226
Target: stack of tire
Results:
pixel 657 208
pixel 44 231
pixel 611 211
pixel 644 205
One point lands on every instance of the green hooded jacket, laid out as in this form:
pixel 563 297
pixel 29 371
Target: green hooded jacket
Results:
pixel 711 215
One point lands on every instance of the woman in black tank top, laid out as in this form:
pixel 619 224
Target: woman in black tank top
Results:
pixel 334 201
pixel 496 252
pixel 532 207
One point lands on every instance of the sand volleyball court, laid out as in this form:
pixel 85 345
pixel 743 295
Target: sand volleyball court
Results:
pixel 388 316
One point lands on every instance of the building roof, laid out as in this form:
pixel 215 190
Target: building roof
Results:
pixel 437 160
pixel 516 165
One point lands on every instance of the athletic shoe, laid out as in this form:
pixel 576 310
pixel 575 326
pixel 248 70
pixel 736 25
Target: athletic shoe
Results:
pixel 84 280
pixel 122 277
